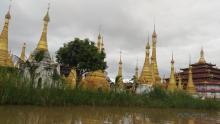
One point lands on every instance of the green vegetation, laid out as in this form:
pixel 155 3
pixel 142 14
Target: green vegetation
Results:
pixel 16 91
pixel 39 56
pixel 82 55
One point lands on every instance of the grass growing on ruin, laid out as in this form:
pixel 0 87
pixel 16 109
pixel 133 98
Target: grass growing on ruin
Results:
pixel 14 90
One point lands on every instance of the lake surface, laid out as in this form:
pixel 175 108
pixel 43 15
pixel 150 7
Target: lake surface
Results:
pixel 104 115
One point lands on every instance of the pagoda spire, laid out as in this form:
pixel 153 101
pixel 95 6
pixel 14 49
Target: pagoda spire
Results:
pixel 119 78
pixel 120 66
pixel 190 85
pixel 23 56
pixel 146 74
pixel 100 42
pixel 202 57
pixel 172 82
pixel 154 67
pixel 4 53
pixel 42 44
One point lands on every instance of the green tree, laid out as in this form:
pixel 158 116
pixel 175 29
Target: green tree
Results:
pixel 82 55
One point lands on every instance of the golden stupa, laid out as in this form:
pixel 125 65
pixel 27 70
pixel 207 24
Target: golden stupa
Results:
pixel 5 57
pixel 154 67
pixel 96 80
pixel 172 82
pixel 119 82
pixel 71 79
pixel 190 86
pixel 146 74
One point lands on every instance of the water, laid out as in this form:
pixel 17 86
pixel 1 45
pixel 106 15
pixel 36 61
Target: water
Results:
pixel 104 115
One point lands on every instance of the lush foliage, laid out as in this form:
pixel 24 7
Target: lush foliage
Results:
pixel 16 91
pixel 81 55
pixel 39 56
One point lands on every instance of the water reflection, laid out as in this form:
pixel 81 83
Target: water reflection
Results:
pixel 104 115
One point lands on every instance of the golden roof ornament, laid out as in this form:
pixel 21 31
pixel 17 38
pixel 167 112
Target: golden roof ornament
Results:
pixel 8 15
pixel 154 35
pixel 202 57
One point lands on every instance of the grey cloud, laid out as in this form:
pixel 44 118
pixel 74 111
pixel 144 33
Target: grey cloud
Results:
pixel 182 27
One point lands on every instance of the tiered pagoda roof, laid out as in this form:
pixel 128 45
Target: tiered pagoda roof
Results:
pixel 202 71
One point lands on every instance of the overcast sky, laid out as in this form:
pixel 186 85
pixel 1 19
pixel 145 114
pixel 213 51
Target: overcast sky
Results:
pixel 183 26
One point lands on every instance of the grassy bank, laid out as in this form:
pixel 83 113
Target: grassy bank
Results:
pixel 16 91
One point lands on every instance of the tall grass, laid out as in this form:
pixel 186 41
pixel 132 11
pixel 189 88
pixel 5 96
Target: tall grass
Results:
pixel 14 90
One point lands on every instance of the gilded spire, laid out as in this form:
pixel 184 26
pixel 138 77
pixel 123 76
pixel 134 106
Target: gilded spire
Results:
pixel 190 86
pixel 154 67
pixel 202 57
pixel 100 42
pixel 146 74
pixel 154 32
pixel 4 53
pixel 22 57
pixel 120 76
pixel 120 66
pixel 42 44
pixel 172 82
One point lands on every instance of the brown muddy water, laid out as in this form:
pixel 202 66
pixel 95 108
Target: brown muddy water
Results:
pixel 104 115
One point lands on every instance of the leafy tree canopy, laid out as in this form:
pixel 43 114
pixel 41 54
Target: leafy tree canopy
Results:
pixel 81 55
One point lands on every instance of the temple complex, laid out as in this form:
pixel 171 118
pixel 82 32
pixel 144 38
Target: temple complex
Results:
pixel 5 57
pixel 204 76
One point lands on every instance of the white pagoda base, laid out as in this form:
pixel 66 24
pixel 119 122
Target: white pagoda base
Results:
pixel 144 88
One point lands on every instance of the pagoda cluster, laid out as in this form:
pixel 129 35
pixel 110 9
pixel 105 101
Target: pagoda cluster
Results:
pixel 201 77
pixel 149 75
